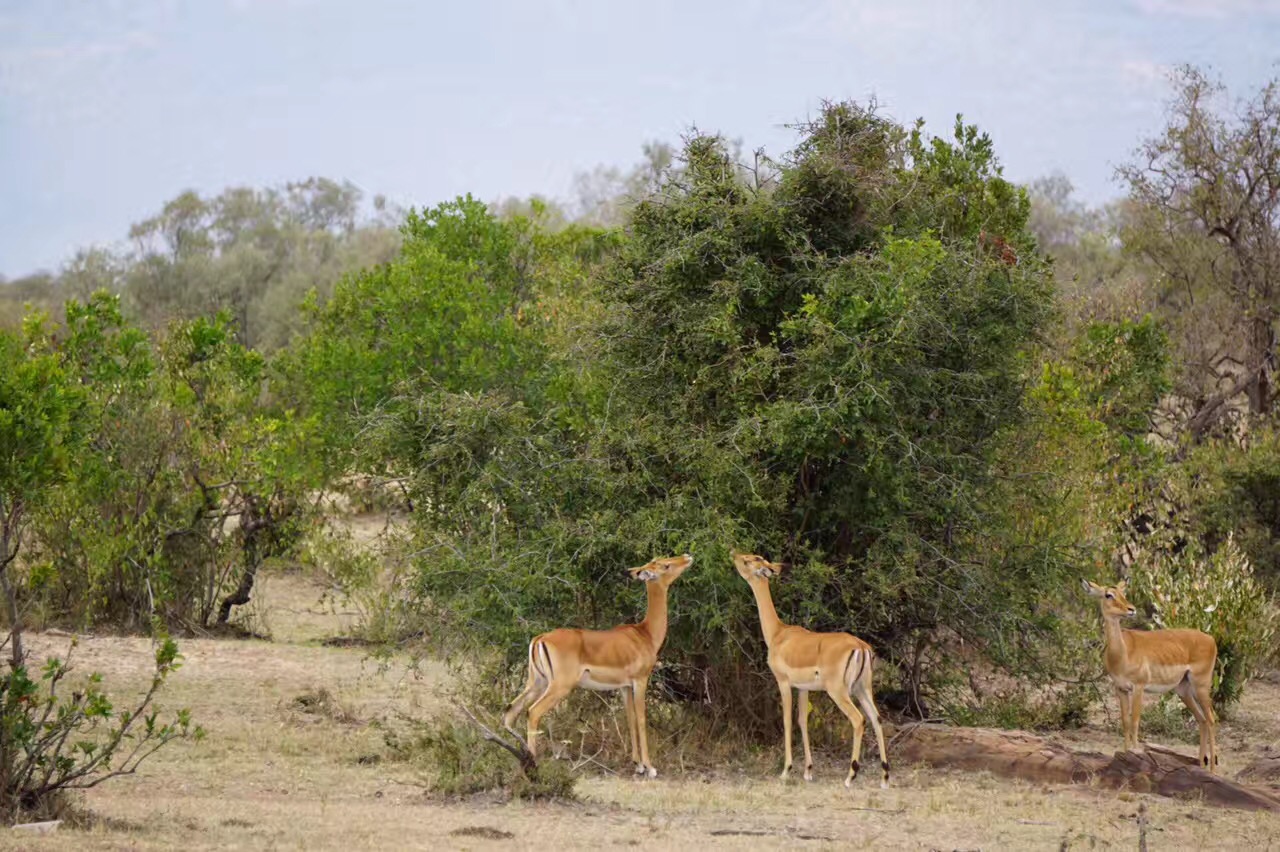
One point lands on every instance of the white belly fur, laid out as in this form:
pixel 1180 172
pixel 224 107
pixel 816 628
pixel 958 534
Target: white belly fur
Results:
pixel 1158 688
pixel 586 682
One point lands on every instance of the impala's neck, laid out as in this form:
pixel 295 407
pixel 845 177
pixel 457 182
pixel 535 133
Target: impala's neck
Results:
pixel 769 623
pixel 655 619
pixel 1113 633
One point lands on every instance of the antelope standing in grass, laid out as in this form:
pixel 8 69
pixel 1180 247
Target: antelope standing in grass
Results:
pixel 839 663
pixel 1157 661
pixel 620 660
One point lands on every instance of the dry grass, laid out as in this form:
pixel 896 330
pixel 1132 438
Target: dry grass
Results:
pixel 293 728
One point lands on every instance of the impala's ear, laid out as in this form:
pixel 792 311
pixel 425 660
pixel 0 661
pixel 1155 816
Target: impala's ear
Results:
pixel 1092 588
pixel 1122 585
pixel 780 567
pixel 646 574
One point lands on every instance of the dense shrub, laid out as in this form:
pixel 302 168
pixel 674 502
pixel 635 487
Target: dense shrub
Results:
pixel 1217 593
pixel 52 743
pixel 817 363
pixel 185 485
pixel 1234 489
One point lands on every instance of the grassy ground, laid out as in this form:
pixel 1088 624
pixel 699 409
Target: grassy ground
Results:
pixel 291 761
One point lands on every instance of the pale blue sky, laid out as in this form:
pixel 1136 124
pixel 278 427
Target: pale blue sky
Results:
pixel 108 108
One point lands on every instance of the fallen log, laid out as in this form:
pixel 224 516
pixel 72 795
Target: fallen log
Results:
pixel 1017 754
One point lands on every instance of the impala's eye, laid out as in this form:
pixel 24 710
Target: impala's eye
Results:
pixel 1110 596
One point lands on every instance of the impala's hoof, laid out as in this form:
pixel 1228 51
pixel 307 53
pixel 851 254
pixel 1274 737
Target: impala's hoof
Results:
pixel 808 776
pixel 651 772
pixel 639 768
pixel 848 782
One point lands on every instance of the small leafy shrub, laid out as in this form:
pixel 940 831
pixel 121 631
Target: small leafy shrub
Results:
pixel 459 762
pixel 52 743
pixel 1021 709
pixel 371 577
pixel 1167 718
pixel 1219 594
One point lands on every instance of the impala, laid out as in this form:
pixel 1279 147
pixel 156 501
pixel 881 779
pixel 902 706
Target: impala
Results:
pixel 1157 661
pixel 620 659
pixel 840 663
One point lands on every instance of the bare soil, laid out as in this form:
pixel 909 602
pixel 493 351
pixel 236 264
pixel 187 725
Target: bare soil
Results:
pixel 293 760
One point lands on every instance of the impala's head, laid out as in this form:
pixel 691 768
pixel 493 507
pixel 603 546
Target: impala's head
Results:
pixel 663 570
pixel 1112 599
pixel 751 567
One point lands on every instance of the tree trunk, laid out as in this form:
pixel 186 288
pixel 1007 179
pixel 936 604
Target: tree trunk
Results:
pixel 8 553
pixel 15 627
pixel 1262 352
pixel 1017 754
pixel 251 526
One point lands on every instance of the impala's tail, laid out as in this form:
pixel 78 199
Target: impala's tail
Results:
pixel 540 660
pixel 859 662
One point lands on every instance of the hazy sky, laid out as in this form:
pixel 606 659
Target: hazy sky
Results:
pixel 107 109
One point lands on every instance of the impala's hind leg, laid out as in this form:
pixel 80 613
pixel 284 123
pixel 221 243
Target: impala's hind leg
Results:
pixel 534 685
pixel 554 695
pixel 846 705
pixel 1205 700
pixel 1186 691
pixel 802 716
pixel 862 692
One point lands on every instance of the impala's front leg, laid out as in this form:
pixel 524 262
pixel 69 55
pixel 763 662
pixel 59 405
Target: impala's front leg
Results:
pixel 785 688
pixel 639 687
pixel 629 703
pixel 1122 698
pixel 802 713
pixel 1135 709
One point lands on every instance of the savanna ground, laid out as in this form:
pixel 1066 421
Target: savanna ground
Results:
pixel 295 758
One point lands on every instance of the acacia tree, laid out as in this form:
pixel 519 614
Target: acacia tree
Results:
pixel 1206 202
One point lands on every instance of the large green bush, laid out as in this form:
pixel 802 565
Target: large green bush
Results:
pixel 189 479
pixel 816 363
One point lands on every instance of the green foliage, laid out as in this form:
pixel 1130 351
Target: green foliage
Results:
pixel 52 743
pixel 1097 280
pixel 1211 237
pixel 39 427
pixel 1067 477
pixel 1018 710
pixel 1235 490
pixel 817 366
pixel 1217 593
pixel 181 445
pixel 1126 372
pixel 254 254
